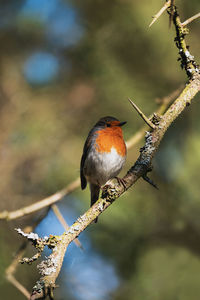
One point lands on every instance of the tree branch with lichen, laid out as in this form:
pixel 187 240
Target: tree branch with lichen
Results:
pixel 50 268
pixel 163 105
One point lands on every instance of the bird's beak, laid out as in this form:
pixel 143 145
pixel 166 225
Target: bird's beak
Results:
pixel 122 123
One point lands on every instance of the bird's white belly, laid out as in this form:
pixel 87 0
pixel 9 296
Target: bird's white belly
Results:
pixel 100 167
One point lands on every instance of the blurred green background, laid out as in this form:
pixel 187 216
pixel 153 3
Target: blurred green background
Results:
pixel 64 64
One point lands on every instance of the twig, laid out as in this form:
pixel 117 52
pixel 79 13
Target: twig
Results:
pixel 9 272
pixel 14 264
pixel 186 22
pixel 62 221
pixel 18 285
pixel 147 121
pixel 42 203
pixel 161 11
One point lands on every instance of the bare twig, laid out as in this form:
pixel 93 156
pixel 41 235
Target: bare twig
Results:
pixel 161 11
pixel 147 121
pixel 186 22
pixel 42 203
pixel 18 285
pixel 62 221
pixel 9 273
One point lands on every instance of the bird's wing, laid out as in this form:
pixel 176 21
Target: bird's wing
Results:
pixel 86 149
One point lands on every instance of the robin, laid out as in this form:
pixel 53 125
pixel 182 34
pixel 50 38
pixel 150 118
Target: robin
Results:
pixel 104 155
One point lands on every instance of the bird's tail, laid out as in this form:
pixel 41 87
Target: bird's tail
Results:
pixel 94 189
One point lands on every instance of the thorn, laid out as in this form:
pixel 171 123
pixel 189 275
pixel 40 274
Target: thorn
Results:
pixel 190 20
pixel 161 11
pixel 147 121
pixel 147 179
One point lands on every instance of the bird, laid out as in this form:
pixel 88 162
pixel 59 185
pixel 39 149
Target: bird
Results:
pixel 104 155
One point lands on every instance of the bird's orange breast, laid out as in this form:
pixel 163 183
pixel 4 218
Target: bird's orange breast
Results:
pixel 108 138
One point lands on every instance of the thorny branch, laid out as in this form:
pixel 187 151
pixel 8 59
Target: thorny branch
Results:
pixel 164 103
pixel 50 268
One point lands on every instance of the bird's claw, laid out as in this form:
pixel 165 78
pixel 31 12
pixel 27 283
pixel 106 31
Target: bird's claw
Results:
pixel 121 181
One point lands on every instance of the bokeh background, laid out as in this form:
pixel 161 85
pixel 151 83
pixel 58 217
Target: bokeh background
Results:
pixel 63 65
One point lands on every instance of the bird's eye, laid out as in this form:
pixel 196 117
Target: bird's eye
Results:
pixel 108 124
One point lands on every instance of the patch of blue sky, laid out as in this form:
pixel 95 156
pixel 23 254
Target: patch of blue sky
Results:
pixel 41 9
pixel 89 276
pixel 41 68
pixel 64 29
pixel 61 20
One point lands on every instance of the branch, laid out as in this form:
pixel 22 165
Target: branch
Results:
pixel 164 103
pixel 18 285
pixel 42 203
pixel 11 269
pixel 46 284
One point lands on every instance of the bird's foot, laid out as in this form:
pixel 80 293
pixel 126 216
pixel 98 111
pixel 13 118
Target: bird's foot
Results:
pixel 105 187
pixel 121 181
